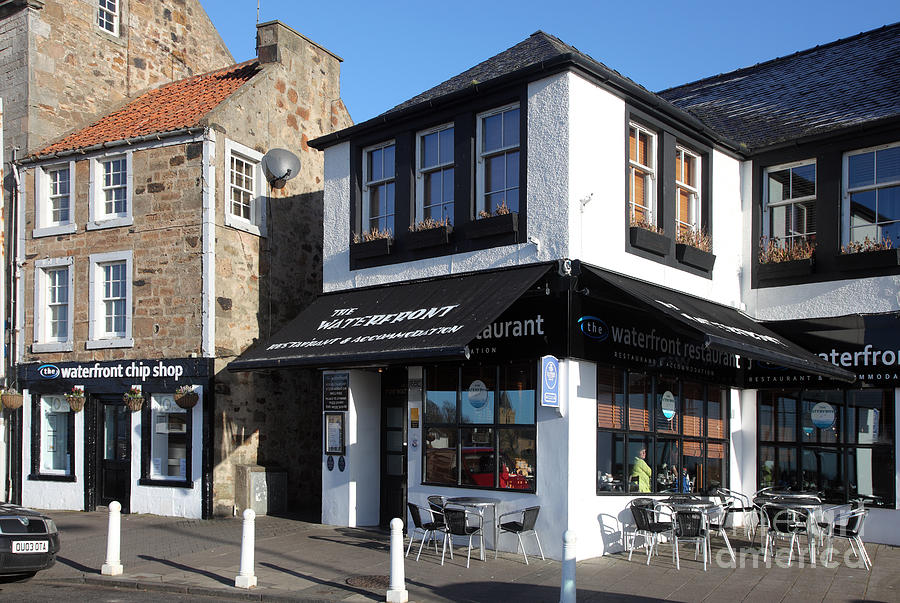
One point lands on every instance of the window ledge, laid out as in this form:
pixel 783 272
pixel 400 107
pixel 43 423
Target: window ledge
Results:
pixel 241 224
pixel 428 237
pixel 110 222
pixel 649 240
pixel 47 477
pixel 778 271
pixel 51 231
pixel 692 256
pixel 494 225
pixel 100 344
pixel 166 483
pixel 55 346
pixel 883 258
pixel 371 249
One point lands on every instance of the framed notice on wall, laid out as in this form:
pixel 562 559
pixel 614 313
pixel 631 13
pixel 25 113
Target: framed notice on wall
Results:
pixel 336 391
pixel 334 433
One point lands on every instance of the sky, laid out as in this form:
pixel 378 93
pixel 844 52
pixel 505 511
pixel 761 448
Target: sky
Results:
pixel 394 50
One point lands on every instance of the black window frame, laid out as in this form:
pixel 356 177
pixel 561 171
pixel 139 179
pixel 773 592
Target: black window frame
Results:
pixel 843 446
pixel 466 235
pixel 36 475
pixel 653 436
pixel 668 137
pixel 146 447
pixel 496 426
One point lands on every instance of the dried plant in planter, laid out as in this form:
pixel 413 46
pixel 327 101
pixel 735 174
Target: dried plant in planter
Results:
pixel 772 251
pixel 868 245
pixel 694 238
pixel 372 235
pixel 501 210
pixel 429 223
pixel 646 226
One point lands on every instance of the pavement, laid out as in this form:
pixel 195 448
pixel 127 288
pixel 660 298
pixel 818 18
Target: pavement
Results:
pixel 298 560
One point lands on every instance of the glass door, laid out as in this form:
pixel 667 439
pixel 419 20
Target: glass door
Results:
pixel 114 443
pixel 393 445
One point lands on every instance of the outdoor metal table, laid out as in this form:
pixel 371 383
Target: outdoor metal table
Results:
pixel 806 503
pixel 479 503
pixel 701 505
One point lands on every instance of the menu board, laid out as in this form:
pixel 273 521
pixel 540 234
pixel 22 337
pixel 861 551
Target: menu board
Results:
pixel 336 391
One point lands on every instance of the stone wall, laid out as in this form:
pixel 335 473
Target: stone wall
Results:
pixel 273 418
pixel 13 84
pixel 78 71
pixel 165 239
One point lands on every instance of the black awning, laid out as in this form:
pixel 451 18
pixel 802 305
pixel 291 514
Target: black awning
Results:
pixel 418 320
pixel 724 328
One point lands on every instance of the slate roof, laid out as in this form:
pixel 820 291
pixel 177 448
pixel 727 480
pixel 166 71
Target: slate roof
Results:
pixel 175 106
pixel 849 82
pixel 538 48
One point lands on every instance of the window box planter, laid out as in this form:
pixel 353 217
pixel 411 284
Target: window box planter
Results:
pixel 429 237
pixel 371 249
pixel 495 225
pixel 694 256
pixel 649 240
pixel 786 270
pixel 883 258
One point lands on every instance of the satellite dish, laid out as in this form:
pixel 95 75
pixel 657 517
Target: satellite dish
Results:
pixel 279 166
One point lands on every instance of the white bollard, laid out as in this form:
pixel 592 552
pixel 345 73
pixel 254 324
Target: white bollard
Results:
pixel 397 592
pixel 113 565
pixel 567 589
pixel 246 577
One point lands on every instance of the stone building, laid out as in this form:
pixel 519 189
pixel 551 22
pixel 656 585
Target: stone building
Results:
pixel 153 249
pixel 65 62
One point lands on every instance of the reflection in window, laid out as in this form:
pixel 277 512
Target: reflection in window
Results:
pixel 498 161
pixel 610 462
pixel 872 195
pixel 434 200
pixel 790 203
pixel 55 433
pixel 169 440
pixel 495 437
pixel 378 189
pixel 844 443
pixel 641 175
pixel 610 398
pixel 639 401
pixel 668 405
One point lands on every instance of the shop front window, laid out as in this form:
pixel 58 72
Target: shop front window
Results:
pixel 480 429
pixel 838 443
pixel 170 440
pixel 672 453
pixel 56 432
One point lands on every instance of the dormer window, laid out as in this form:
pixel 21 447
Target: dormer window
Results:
pixel 108 16
pixel 498 161
pixel 435 175
pixel 379 189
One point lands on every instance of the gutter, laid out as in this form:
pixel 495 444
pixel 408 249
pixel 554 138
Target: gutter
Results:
pixel 35 159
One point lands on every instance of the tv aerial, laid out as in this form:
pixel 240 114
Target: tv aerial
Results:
pixel 279 166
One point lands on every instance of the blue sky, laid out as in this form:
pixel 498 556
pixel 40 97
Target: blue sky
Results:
pixel 393 50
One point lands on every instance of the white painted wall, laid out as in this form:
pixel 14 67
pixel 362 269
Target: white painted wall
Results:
pixel 352 497
pixel 46 494
pixel 163 500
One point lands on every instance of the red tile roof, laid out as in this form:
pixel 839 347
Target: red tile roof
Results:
pixel 174 106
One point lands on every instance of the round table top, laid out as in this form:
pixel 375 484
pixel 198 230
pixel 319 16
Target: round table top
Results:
pixel 683 503
pixel 474 500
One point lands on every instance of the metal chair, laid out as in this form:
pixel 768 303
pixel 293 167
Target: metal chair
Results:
pixel 850 531
pixel 736 502
pixel 690 526
pixel 529 518
pixel 647 524
pixel 457 522
pixel 435 524
pixel 783 523
pixel 715 523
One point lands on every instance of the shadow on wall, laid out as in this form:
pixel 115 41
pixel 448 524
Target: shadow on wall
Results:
pixel 613 530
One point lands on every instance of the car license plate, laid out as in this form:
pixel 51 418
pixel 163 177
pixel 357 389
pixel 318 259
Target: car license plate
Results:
pixel 30 546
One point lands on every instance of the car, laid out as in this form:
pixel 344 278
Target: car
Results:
pixel 29 541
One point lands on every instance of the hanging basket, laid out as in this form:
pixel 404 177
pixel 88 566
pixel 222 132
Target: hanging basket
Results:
pixel 187 400
pixel 134 403
pixel 12 401
pixel 76 403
